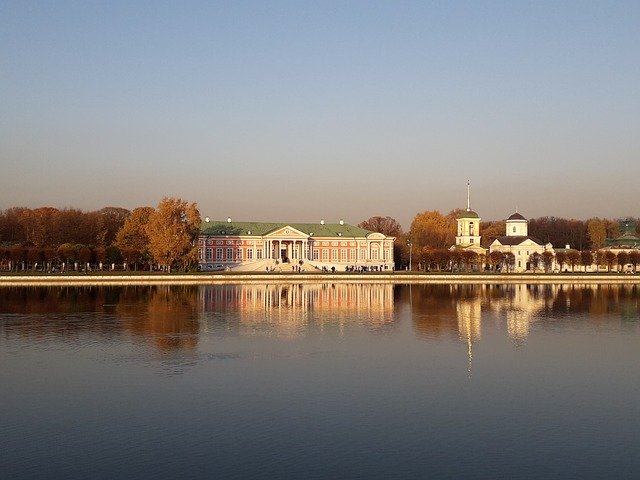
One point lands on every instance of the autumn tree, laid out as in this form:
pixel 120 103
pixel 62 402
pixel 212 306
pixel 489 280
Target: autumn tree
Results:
pixel 597 232
pixel 432 229
pixel 491 230
pixel 133 233
pixel 172 229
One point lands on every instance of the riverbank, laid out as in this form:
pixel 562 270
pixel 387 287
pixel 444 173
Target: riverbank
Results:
pixel 18 280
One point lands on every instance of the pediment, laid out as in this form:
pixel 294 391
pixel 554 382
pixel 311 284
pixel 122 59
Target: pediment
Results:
pixel 287 232
pixel 376 236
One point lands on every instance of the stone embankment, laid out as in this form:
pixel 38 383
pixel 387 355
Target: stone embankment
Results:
pixel 370 278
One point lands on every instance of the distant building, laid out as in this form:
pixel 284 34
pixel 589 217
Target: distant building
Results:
pixel 261 246
pixel 628 240
pixel 468 233
pixel 517 241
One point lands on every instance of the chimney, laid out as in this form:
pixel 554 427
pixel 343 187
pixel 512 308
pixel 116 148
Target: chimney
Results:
pixel 206 219
pixel 321 222
pixel 228 219
pixel 341 222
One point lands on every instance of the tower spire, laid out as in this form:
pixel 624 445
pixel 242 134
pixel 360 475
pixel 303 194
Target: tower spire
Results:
pixel 468 196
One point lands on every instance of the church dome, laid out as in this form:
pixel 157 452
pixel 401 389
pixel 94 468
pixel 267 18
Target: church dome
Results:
pixel 516 216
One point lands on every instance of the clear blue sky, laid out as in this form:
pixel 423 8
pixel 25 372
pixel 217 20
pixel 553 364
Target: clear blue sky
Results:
pixel 296 111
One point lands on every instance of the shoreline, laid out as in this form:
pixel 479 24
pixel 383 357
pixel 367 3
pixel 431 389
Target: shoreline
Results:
pixel 293 278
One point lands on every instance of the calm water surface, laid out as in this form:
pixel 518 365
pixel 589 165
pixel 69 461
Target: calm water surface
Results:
pixel 320 381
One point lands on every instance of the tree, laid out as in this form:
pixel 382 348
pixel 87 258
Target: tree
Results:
pixel 547 260
pixel 597 232
pixel 573 256
pixel 432 229
pixel 561 259
pixel 634 259
pixel 509 261
pixel 386 225
pixel 133 233
pixel 172 229
pixel 622 259
pixel 495 259
pixel 108 221
pixel 534 260
pixel 610 259
pixel 586 259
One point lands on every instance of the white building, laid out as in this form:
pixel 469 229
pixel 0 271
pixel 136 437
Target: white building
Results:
pixel 468 233
pixel 518 242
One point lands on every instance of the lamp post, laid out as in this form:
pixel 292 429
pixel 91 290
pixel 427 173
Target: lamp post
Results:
pixel 410 252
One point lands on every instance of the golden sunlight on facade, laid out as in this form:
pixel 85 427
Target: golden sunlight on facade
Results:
pixel 259 246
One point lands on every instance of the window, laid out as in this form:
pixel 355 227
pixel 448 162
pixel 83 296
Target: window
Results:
pixel 471 228
pixel 374 253
pixel 353 254
pixel 334 254
pixel 363 254
pixel 514 229
pixel 325 254
pixel 239 254
pixel 343 255
pixel 385 253
pixel 218 254
pixel 316 254
pixel 209 254
pixel 229 253
pixel 471 240
pixel 250 254
pixel 259 254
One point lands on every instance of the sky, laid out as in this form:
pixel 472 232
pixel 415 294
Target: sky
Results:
pixel 301 111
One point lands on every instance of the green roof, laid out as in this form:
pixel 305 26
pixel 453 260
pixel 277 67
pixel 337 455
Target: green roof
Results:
pixel 469 214
pixel 258 229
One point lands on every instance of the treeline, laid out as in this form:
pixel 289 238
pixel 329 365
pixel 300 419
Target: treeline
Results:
pixel 50 239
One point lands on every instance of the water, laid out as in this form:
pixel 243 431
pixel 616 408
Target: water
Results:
pixel 320 381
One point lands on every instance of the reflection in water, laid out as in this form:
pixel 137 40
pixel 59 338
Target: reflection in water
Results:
pixel 166 316
pixel 288 310
pixel 458 309
pixel 172 317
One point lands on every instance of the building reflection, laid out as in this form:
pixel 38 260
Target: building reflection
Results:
pixel 289 309
pixel 439 310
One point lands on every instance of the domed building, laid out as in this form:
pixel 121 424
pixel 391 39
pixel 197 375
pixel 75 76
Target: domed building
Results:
pixel 517 241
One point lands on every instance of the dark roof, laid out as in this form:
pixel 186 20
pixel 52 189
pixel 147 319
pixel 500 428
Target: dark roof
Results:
pixel 517 240
pixel 264 228
pixel 516 216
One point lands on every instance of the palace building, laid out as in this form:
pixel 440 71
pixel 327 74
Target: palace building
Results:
pixel 260 246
